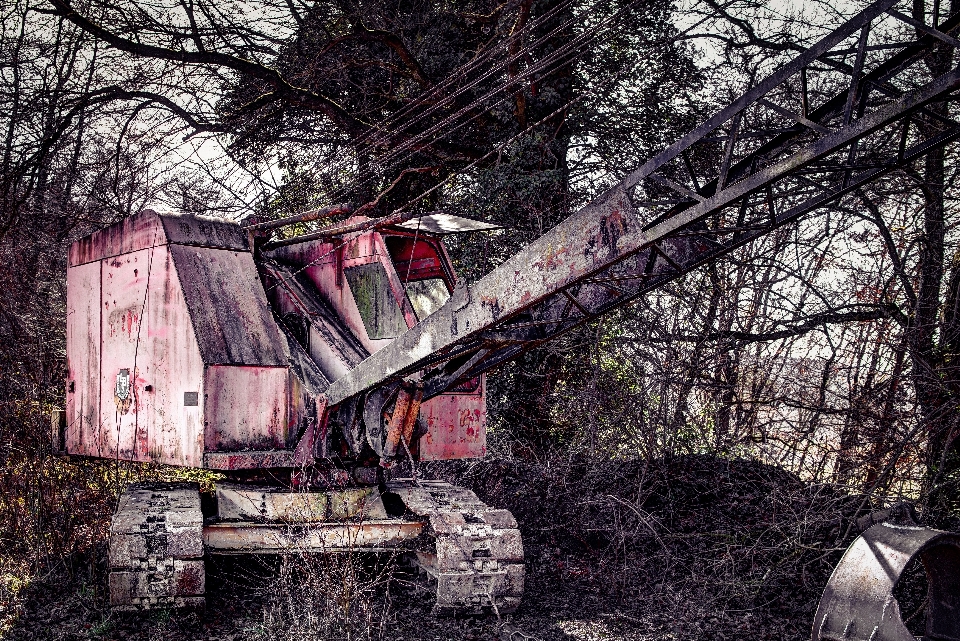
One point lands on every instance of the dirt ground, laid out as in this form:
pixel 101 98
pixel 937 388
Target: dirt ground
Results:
pixel 687 548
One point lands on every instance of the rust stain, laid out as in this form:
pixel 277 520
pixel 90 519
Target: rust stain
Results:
pixel 604 242
pixel 493 303
pixel 456 425
pixel 124 321
pixel 552 259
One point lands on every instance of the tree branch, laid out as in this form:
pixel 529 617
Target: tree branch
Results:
pixel 807 325
pixel 295 95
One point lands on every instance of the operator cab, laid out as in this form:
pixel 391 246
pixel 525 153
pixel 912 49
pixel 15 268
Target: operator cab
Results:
pixel 344 298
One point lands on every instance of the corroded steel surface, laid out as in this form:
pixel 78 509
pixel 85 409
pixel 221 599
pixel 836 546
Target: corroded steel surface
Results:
pixel 858 602
pixel 456 424
pixel 251 503
pixel 404 415
pixel 268 538
pixel 323 264
pixel 318 328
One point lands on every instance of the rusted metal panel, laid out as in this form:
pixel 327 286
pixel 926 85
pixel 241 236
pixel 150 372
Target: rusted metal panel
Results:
pixel 250 460
pixel 858 602
pixel 325 273
pixel 83 358
pixel 174 369
pixel 228 307
pixel 456 425
pixel 150 402
pixel 399 427
pixel 269 538
pixel 245 407
pixel 362 244
pixel 245 503
pixel 149 366
pixel 136 387
pixel 417 256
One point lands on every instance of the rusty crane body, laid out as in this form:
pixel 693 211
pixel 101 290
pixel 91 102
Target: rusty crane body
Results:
pixel 302 368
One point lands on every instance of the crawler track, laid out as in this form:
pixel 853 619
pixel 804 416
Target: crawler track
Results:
pixel 474 552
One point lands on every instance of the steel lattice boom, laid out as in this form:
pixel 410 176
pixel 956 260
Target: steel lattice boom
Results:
pixel 779 152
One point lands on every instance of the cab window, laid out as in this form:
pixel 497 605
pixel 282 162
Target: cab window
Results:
pixel 377 305
pixel 421 270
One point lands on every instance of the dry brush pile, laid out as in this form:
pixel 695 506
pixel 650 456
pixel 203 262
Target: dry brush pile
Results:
pixel 691 547
pixel 694 546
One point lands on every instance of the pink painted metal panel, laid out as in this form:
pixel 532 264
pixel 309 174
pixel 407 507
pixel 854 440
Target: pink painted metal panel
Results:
pixel 245 407
pixel 150 365
pixel 362 245
pixel 336 292
pixel 456 425
pixel 139 231
pixel 83 357
pixel 175 366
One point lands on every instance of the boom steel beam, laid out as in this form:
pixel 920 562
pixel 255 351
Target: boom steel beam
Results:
pixel 774 155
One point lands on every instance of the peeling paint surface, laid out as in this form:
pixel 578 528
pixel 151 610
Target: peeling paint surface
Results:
pixel 83 358
pixel 245 408
pixel 146 337
pixel 456 425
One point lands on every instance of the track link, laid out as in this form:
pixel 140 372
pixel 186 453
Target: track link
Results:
pixel 475 554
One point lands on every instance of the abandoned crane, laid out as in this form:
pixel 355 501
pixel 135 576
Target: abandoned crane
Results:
pixel 302 368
